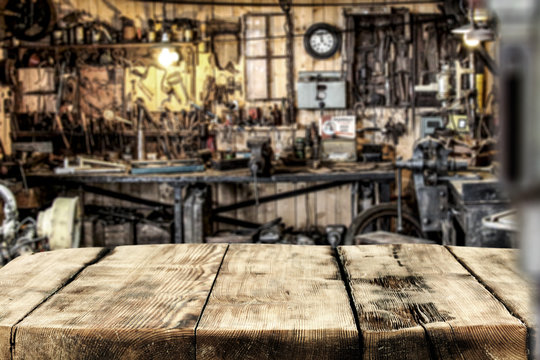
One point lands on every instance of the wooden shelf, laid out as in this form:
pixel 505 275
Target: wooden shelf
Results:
pixel 102 46
pixel 147 133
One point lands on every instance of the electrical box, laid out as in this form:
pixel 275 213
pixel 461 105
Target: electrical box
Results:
pixel 321 90
pixel 458 123
pixel 430 124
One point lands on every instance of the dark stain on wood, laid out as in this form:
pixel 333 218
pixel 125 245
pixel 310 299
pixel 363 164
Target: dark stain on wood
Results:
pixel 410 283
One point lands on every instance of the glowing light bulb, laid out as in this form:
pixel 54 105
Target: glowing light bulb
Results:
pixel 167 57
pixel 471 41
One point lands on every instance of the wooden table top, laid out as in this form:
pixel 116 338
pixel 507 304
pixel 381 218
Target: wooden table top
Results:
pixel 242 301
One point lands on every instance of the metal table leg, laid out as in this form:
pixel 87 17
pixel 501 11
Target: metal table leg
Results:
pixel 178 215
pixel 354 199
pixel 385 194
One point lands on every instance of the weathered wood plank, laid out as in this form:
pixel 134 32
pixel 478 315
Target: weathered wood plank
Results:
pixel 278 302
pixel 387 238
pixel 29 280
pixel 417 302
pixel 138 302
pixel 499 271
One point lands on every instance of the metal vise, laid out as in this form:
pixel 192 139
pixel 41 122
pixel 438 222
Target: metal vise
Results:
pixel 430 166
pixel 260 162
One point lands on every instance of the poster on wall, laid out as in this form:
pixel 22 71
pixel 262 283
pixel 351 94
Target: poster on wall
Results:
pixel 340 127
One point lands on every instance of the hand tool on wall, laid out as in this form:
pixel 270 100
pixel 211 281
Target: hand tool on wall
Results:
pixel 86 131
pixel 57 118
pixel 143 114
pixel 140 82
pixel 116 20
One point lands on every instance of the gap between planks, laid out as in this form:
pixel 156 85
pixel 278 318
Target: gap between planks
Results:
pixel 208 299
pixel 530 337
pixel 344 276
pixel 13 332
pixel 345 279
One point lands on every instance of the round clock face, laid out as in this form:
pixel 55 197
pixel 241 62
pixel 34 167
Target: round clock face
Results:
pixel 322 40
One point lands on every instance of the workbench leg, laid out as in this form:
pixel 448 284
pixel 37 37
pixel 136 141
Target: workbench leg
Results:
pixel 354 199
pixel 384 192
pixel 536 342
pixel 178 215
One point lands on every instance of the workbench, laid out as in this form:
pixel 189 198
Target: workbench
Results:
pixel 254 301
pixel 471 200
pixel 382 174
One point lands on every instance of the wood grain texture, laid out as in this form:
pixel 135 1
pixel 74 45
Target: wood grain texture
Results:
pixel 278 302
pixel 29 280
pixel 417 302
pixel 498 270
pixel 387 238
pixel 138 302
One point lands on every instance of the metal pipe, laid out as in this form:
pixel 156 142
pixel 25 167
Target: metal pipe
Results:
pixel 140 134
pixel 536 340
pixel 178 215
pixel 354 199
pixel 399 210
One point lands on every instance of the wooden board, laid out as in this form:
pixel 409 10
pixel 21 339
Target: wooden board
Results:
pixel 417 302
pixel 138 302
pixel 253 301
pixel 278 302
pixel 387 238
pixel 28 281
pixel 498 270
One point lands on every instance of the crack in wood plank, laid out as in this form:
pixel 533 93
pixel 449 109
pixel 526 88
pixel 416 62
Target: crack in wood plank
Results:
pixel 208 298
pixel 344 279
pixel 460 255
pixel 417 301
pixel 140 302
pixel 13 332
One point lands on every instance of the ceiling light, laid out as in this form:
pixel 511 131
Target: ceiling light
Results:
pixel 470 41
pixel 462 30
pixel 167 57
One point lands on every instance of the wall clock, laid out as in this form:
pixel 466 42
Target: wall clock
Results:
pixel 322 40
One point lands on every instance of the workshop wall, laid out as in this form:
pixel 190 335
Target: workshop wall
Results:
pixel 322 208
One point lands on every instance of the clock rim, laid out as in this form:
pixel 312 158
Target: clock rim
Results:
pixel 332 30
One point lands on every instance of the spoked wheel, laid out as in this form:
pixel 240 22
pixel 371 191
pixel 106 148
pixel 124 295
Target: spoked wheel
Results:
pixel 383 217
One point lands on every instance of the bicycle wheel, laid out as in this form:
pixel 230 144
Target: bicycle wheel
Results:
pixel 383 217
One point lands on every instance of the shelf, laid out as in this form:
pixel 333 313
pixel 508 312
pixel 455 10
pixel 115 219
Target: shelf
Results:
pixel 102 46
pixel 148 133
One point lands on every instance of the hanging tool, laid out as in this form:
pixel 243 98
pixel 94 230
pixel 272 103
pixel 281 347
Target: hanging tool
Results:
pixel 143 114
pixel 176 79
pixel 57 118
pixel 260 162
pixel 86 131
pixel 140 82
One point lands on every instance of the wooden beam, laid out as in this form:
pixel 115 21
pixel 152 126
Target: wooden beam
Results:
pixel 418 302
pixel 498 270
pixel 29 280
pixel 278 302
pixel 139 302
